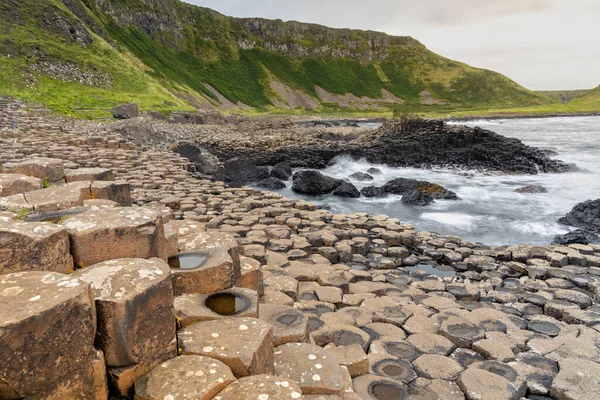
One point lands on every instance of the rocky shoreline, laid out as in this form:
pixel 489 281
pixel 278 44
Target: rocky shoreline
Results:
pixel 169 285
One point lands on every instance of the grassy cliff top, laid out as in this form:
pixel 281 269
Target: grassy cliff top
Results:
pixel 82 57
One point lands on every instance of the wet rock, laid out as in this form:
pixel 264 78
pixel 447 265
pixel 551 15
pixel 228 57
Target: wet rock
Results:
pixel 403 186
pixel 241 172
pixel 282 171
pixel 372 191
pixel 205 162
pixel 373 387
pixel 231 303
pixel 186 376
pixel 289 324
pixel 28 246
pixel 584 215
pixel 314 368
pixel 361 177
pixel 109 234
pixel 37 311
pixel 346 189
pixel 214 263
pixel 261 387
pixel 579 236
pixel 125 111
pixel 271 184
pixel 244 344
pixel 577 380
pixel 11 184
pixel 392 368
pixel 374 171
pixel 532 189
pixel 314 183
pixel 417 198
pixel 134 299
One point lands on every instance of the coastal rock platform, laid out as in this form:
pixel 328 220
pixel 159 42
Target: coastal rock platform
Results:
pixel 335 306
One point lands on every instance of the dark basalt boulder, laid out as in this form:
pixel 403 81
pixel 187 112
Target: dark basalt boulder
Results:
pixel 125 111
pixel 579 236
pixel 532 189
pixel 373 191
pixel 403 186
pixel 417 198
pixel 346 189
pixel 314 183
pixel 241 172
pixel 271 184
pixel 282 171
pixel 374 171
pixel 584 215
pixel 202 159
pixel 361 177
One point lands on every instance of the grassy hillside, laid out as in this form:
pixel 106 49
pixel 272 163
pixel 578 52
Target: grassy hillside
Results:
pixel 82 57
pixel 564 96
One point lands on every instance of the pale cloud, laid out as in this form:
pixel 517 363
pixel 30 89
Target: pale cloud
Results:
pixel 461 11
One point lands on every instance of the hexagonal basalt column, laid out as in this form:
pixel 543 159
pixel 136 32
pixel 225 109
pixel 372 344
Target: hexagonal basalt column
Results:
pixel 244 344
pixel 26 246
pixel 261 387
pixel 185 377
pixel 209 263
pixel 49 169
pixel 109 234
pixel 11 184
pixel 38 311
pixel 89 174
pixel 134 301
pixel 231 303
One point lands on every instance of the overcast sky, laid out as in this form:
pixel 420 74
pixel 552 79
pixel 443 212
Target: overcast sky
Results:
pixel 542 44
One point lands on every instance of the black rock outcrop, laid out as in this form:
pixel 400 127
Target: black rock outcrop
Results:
pixel 314 183
pixel 584 215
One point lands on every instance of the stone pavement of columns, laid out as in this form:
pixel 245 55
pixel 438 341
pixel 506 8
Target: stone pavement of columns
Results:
pixel 123 274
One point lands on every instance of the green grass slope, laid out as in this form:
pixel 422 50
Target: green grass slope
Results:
pixel 82 57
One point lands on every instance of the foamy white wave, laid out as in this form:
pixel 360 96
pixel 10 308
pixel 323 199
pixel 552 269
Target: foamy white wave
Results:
pixel 459 220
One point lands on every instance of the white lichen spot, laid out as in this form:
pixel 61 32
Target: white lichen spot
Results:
pixel 316 378
pixel 296 395
pixel 169 397
pixel 243 328
pixel 318 366
pixel 35 298
pixel 215 335
pixel 212 371
pixel 207 349
pixel 199 373
pixel 263 397
pixel 312 357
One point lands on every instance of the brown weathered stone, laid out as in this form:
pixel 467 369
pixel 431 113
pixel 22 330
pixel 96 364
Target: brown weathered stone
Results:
pixel 38 310
pixel 89 174
pixel 184 377
pixel 110 234
pixel 115 191
pixel 262 387
pixel 192 308
pixel 289 324
pixel 353 357
pixel 50 169
pixel 577 380
pixel 28 246
pixel 314 368
pixel 219 271
pixel 122 379
pixel 432 366
pixel 480 384
pixel 134 300
pixel 11 184
pixel 373 387
pixel 252 275
pixel 56 198
pixel 88 383
pixel 244 344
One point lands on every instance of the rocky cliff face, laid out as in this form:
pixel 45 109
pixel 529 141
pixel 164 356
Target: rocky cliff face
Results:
pixel 200 56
